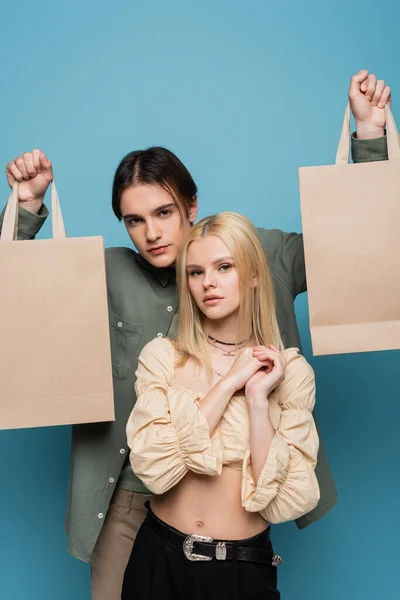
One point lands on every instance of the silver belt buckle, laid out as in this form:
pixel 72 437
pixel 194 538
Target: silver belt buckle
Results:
pixel 188 547
pixel 276 560
pixel 220 551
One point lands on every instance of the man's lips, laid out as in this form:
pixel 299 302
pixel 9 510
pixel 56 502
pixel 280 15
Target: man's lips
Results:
pixel 158 249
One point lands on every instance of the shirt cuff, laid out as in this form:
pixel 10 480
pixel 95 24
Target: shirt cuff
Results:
pixel 368 150
pixel 30 224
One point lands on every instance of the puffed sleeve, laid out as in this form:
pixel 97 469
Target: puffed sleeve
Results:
pixel 287 487
pixel 167 433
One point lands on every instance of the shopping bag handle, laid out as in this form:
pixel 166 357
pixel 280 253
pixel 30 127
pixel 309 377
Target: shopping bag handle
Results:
pixel 392 136
pixel 9 230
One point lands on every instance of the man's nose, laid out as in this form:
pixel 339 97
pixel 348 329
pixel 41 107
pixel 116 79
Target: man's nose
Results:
pixel 152 232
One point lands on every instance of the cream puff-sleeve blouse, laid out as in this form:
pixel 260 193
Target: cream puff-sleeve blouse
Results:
pixel 169 436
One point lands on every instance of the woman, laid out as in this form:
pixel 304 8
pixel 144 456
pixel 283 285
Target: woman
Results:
pixel 222 432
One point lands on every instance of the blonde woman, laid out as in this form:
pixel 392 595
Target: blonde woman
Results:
pixel 222 432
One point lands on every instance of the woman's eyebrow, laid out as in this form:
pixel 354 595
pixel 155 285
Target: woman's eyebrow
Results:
pixel 215 262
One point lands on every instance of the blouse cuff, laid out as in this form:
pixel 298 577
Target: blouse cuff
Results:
pixel 297 427
pixel 255 497
pixel 200 452
pixel 306 402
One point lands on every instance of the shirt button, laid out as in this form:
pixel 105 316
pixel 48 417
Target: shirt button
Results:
pixel 159 334
pixel 100 515
pixel 122 451
pixel 169 308
pixel 119 324
pixel 111 480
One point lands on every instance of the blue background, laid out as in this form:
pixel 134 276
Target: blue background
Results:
pixel 243 93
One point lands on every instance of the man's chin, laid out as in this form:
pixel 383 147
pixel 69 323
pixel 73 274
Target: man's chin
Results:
pixel 166 259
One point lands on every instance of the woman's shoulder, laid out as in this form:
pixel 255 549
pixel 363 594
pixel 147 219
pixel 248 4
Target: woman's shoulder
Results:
pixel 296 365
pixel 159 347
pixel 159 354
pixel 297 390
pixel 156 364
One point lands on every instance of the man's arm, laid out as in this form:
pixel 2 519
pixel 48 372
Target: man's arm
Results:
pixel 366 150
pixel 285 253
pixel 29 224
pixel 368 98
pixel 34 173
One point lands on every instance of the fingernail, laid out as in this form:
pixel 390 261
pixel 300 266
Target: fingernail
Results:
pixel 373 103
pixel 368 97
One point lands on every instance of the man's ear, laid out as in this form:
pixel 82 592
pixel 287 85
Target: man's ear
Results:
pixel 193 210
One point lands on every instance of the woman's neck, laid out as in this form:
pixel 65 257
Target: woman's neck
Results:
pixel 224 329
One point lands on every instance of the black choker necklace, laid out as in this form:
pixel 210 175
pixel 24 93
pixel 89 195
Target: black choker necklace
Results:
pixel 214 340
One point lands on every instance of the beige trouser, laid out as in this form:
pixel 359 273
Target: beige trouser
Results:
pixel 114 545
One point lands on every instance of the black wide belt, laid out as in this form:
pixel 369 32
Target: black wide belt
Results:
pixel 228 551
pixel 202 548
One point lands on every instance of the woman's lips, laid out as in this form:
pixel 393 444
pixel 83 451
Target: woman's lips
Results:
pixel 212 301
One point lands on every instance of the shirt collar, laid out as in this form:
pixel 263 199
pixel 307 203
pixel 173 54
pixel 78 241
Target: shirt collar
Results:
pixel 164 275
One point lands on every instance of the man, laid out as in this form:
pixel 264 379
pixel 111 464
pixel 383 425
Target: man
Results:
pixel 155 196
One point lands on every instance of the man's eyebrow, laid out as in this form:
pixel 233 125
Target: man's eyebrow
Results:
pixel 218 260
pixel 155 211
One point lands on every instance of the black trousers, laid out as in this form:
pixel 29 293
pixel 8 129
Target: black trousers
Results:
pixel 158 568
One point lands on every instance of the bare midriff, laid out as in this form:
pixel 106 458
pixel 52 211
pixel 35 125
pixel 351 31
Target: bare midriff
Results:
pixel 209 506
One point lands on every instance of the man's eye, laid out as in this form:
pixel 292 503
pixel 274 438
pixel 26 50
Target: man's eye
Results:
pixel 165 213
pixel 133 222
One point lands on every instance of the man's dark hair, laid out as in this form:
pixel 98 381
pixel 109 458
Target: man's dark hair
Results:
pixel 154 166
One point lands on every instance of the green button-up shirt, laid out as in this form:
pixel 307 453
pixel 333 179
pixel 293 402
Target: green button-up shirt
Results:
pixel 142 305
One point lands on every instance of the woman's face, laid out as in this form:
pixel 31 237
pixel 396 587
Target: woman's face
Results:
pixel 213 278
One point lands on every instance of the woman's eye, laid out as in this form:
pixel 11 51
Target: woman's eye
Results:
pixel 225 268
pixel 194 273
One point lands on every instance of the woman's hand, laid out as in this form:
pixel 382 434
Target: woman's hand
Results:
pixel 246 365
pixel 267 378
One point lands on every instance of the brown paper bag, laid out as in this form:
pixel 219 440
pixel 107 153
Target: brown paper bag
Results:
pixel 55 363
pixel 351 220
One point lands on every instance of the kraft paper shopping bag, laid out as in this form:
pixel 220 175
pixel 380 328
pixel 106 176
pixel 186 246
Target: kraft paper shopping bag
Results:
pixel 55 362
pixel 351 222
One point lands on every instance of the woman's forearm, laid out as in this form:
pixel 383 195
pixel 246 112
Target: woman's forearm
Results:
pixel 214 403
pixel 262 433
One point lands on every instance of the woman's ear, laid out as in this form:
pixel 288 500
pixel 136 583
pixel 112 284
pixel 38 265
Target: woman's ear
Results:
pixel 255 282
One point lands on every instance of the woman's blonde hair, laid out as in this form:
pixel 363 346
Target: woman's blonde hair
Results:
pixel 257 316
